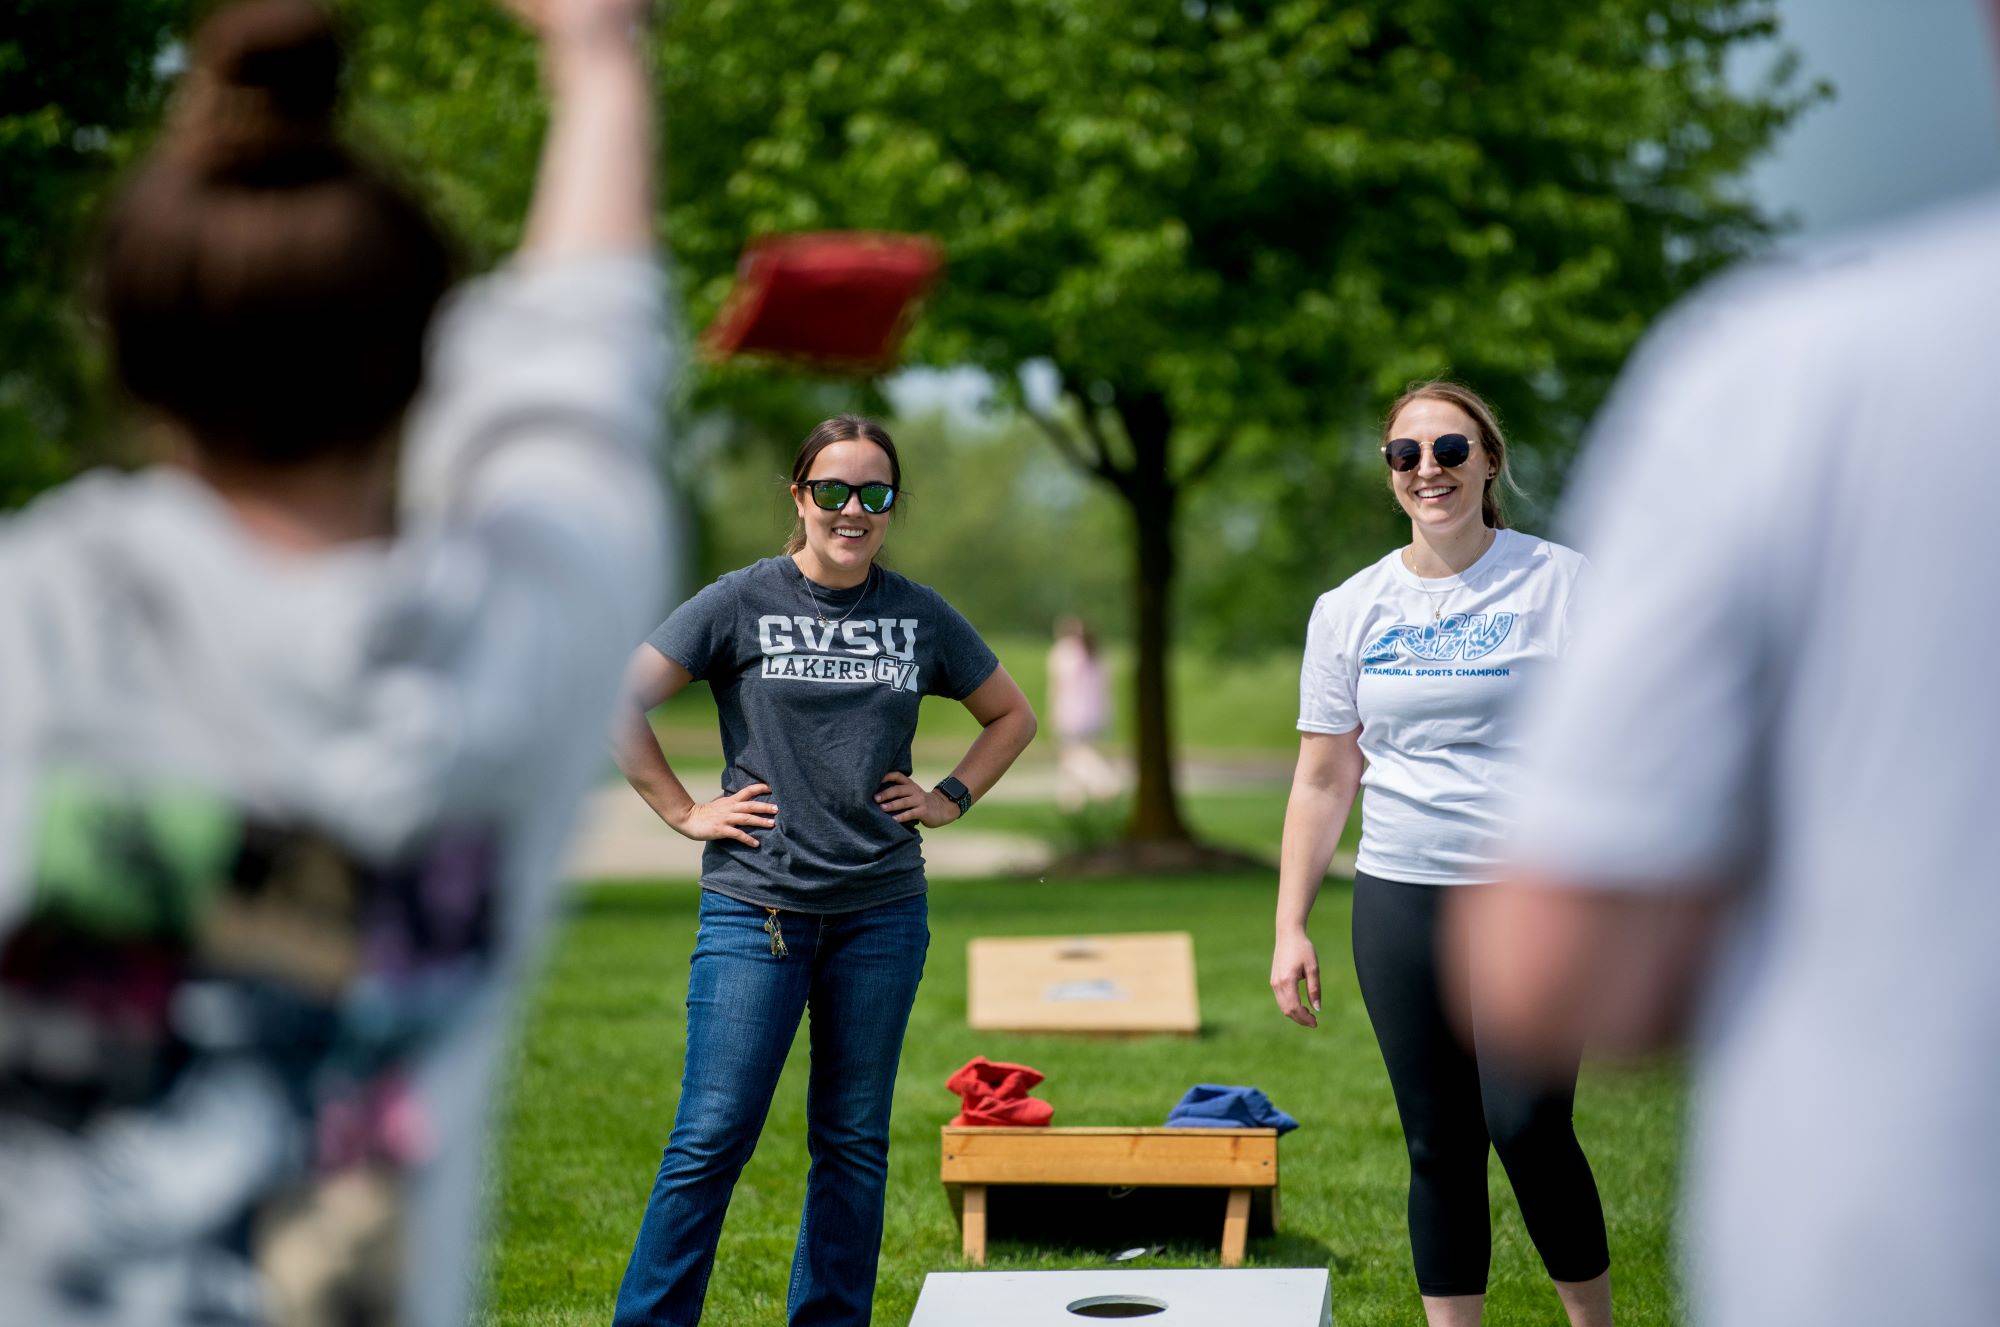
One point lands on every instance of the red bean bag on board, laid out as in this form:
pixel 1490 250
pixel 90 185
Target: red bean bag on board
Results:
pixel 995 1093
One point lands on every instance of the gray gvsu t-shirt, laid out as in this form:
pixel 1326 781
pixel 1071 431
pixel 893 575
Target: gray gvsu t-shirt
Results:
pixel 821 712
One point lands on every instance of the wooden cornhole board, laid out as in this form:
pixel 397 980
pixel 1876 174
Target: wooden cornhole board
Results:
pixel 1084 983
pixel 1244 1162
pixel 1168 1297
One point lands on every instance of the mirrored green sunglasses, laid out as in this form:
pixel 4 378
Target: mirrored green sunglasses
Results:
pixel 832 495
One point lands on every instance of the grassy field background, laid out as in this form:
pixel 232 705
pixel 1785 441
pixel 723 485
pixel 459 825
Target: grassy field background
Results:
pixel 597 1072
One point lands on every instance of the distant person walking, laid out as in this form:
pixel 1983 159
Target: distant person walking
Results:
pixel 1412 668
pixel 813 891
pixel 1761 805
pixel 1079 711
pixel 293 724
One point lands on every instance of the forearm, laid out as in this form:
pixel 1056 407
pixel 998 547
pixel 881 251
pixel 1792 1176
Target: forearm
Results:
pixel 1315 815
pixel 1559 965
pixel 636 748
pixel 594 191
pixel 994 751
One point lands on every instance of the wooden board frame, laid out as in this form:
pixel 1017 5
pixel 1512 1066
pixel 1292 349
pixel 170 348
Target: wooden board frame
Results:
pixel 1243 1161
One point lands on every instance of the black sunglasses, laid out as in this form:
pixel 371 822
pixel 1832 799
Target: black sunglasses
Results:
pixel 1405 454
pixel 832 495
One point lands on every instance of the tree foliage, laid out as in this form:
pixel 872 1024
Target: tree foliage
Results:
pixel 1266 214
pixel 1233 229
pixel 78 80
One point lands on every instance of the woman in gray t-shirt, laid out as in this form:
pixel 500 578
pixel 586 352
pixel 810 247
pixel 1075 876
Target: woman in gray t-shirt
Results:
pixel 813 888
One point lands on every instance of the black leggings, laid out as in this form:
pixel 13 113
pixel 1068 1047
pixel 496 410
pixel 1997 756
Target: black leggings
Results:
pixel 1454 1100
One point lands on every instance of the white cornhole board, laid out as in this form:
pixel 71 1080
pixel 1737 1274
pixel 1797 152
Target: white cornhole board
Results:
pixel 1287 1297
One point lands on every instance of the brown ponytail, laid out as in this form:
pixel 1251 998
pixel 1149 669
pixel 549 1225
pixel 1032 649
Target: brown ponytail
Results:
pixel 261 284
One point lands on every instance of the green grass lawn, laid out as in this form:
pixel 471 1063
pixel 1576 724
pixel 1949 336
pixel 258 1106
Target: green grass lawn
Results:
pixel 595 1080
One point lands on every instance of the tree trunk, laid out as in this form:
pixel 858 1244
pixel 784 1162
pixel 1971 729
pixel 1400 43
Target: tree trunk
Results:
pixel 1156 840
pixel 1156 812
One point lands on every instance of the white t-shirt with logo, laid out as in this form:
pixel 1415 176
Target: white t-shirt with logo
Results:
pixel 1432 672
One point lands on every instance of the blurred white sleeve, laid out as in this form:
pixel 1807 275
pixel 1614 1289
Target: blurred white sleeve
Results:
pixel 1646 749
pixel 533 515
pixel 570 352
pixel 1327 701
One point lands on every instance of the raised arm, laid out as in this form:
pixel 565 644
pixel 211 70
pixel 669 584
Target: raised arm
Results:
pixel 594 192
pixel 532 450
pixel 1323 787
pixel 562 355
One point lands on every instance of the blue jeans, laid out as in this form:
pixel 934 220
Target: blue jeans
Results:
pixel 858 973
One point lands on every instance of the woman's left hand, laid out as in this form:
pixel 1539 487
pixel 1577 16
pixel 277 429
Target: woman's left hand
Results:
pixel 906 800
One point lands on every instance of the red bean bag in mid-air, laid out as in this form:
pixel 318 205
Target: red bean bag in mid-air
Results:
pixel 840 300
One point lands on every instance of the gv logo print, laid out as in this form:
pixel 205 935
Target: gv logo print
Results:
pixel 1458 636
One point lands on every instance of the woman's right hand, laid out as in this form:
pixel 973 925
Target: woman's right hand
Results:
pixel 725 817
pixel 1294 960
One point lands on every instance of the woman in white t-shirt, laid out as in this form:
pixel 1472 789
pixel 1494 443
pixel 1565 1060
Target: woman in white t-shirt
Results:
pixel 1412 672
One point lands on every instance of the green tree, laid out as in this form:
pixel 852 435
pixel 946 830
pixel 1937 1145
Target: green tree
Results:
pixel 1234 229
pixel 78 80
pixel 1231 229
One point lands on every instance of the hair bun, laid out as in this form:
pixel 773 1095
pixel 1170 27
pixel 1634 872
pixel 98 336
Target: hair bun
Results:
pixel 265 81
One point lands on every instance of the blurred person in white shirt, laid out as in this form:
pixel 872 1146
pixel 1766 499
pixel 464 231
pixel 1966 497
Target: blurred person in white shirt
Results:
pixel 1758 813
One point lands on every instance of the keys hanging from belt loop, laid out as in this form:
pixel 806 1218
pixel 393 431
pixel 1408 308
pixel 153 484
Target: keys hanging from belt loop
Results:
pixel 771 929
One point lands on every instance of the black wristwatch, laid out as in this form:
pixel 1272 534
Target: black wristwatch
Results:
pixel 957 792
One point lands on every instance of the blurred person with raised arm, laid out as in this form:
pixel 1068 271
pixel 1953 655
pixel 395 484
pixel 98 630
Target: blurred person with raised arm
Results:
pixel 293 723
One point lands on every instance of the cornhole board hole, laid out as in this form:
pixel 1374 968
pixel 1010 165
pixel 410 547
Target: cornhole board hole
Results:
pixel 1043 1182
pixel 1284 1297
pixel 1086 983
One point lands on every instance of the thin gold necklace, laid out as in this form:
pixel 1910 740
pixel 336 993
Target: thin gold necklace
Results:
pixel 1438 598
pixel 813 595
